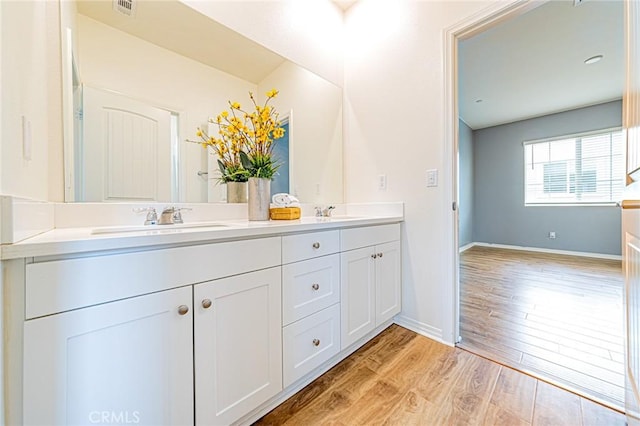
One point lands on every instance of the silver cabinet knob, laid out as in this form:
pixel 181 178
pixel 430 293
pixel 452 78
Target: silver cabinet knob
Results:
pixel 206 303
pixel 316 245
pixel 379 254
pixel 183 309
pixel 316 342
pixel 373 256
pixel 315 286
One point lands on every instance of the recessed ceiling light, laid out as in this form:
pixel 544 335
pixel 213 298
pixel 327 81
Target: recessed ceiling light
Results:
pixel 593 59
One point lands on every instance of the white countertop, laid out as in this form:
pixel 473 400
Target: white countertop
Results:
pixel 67 241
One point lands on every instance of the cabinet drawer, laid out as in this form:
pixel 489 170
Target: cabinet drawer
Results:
pixel 307 246
pixel 310 342
pixel 309 286
pixel 353 238
pixel 63 285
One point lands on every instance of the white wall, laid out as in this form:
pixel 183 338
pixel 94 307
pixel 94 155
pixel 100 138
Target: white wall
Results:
pixel 307 32
pixel 315 131
pixel 394 91
pixel 163 79
pixel 27 51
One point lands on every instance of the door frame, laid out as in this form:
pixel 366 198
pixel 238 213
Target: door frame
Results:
pixel 477 23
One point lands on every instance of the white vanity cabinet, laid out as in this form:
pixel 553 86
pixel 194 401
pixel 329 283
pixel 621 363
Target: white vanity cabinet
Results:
pixel 310 302
pixel 370 279
pixel 128 361
pixel 237 345
pixel 117 338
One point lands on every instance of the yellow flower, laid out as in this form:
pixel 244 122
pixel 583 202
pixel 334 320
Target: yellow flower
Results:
pixel 272 93
pixel 235 105
pixel 199 133
pixel 225 114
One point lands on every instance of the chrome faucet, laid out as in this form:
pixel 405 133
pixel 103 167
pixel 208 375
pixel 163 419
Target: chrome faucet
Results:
pixel 152 215
pixel 326 212
pixel 171 215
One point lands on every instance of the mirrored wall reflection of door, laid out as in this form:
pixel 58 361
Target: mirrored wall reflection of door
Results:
pixel 125 149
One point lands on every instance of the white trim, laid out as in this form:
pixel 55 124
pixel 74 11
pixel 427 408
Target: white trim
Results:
pixel 552 251
pixel 423 329
pixel 466 247
pixel 572 136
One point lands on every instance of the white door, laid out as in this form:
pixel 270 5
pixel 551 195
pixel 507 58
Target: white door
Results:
pixel 238 345
pixel 631 217
pixel 357 295
pixel 129 361
pixel 632 299
pixel 388 283
pixel 126 149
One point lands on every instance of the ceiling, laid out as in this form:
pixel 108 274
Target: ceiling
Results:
pixel 533 65
pixel 177 27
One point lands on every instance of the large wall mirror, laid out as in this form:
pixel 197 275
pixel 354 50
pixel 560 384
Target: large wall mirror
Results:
pixel 138 83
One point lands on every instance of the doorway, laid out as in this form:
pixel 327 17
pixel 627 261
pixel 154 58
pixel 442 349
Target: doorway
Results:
pixel 465 32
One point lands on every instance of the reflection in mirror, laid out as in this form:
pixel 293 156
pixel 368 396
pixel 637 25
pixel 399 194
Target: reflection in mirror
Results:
pixel 150 80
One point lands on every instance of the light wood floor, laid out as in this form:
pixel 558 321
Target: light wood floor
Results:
pixel 402 378
pixel 556 317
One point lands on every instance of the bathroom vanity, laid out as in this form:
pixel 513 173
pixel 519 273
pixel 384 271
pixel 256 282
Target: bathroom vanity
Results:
pixel 206 325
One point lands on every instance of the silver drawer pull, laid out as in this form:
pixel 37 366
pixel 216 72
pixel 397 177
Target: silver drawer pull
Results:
pixel 316 245
pixel 183 309
pixel 315 286
pixel 316 342
pixel 206 303
pixel 373 256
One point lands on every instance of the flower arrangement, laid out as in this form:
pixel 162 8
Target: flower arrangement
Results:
pixel 245 143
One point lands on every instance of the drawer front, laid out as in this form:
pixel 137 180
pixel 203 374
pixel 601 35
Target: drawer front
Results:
pixel 309 286
pixel 63 285
pixel 353 238
pixel 310 342
pixel 307 246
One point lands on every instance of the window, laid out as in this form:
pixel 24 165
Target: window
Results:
pixel 580 169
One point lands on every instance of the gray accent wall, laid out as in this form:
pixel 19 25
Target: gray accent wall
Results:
pixel 465 184
pixel 500 216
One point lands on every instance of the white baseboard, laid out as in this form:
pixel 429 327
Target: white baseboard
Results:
pixel 547 250
pixel 466 247
pixel 425 330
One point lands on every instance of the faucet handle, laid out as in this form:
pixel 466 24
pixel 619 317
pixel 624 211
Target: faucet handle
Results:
pixel 177 216
pixel 152 215
pixel 318 211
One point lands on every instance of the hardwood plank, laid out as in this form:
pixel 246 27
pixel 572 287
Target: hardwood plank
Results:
pixel 555 407
pixel 561 314
pixel 597 415
pixel 428 383
pixel 411 410
pixel 468 400
pixel 515 394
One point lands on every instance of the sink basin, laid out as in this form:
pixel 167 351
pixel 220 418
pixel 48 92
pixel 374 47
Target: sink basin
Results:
pixel 314 219
pixel 156 228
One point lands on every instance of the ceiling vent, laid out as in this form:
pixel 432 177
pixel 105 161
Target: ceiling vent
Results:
pixel 125 7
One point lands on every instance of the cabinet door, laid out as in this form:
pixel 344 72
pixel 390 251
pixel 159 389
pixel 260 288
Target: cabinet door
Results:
pixel 357 301
pixel 129 361
pixel 238 345
pixel 388 282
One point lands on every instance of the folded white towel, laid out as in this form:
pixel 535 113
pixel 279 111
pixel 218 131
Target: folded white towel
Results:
pixel 285 200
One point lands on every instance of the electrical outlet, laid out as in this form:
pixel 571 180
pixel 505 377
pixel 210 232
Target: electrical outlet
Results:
pixel 552 235
pixel 432 177
pixel 382 182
